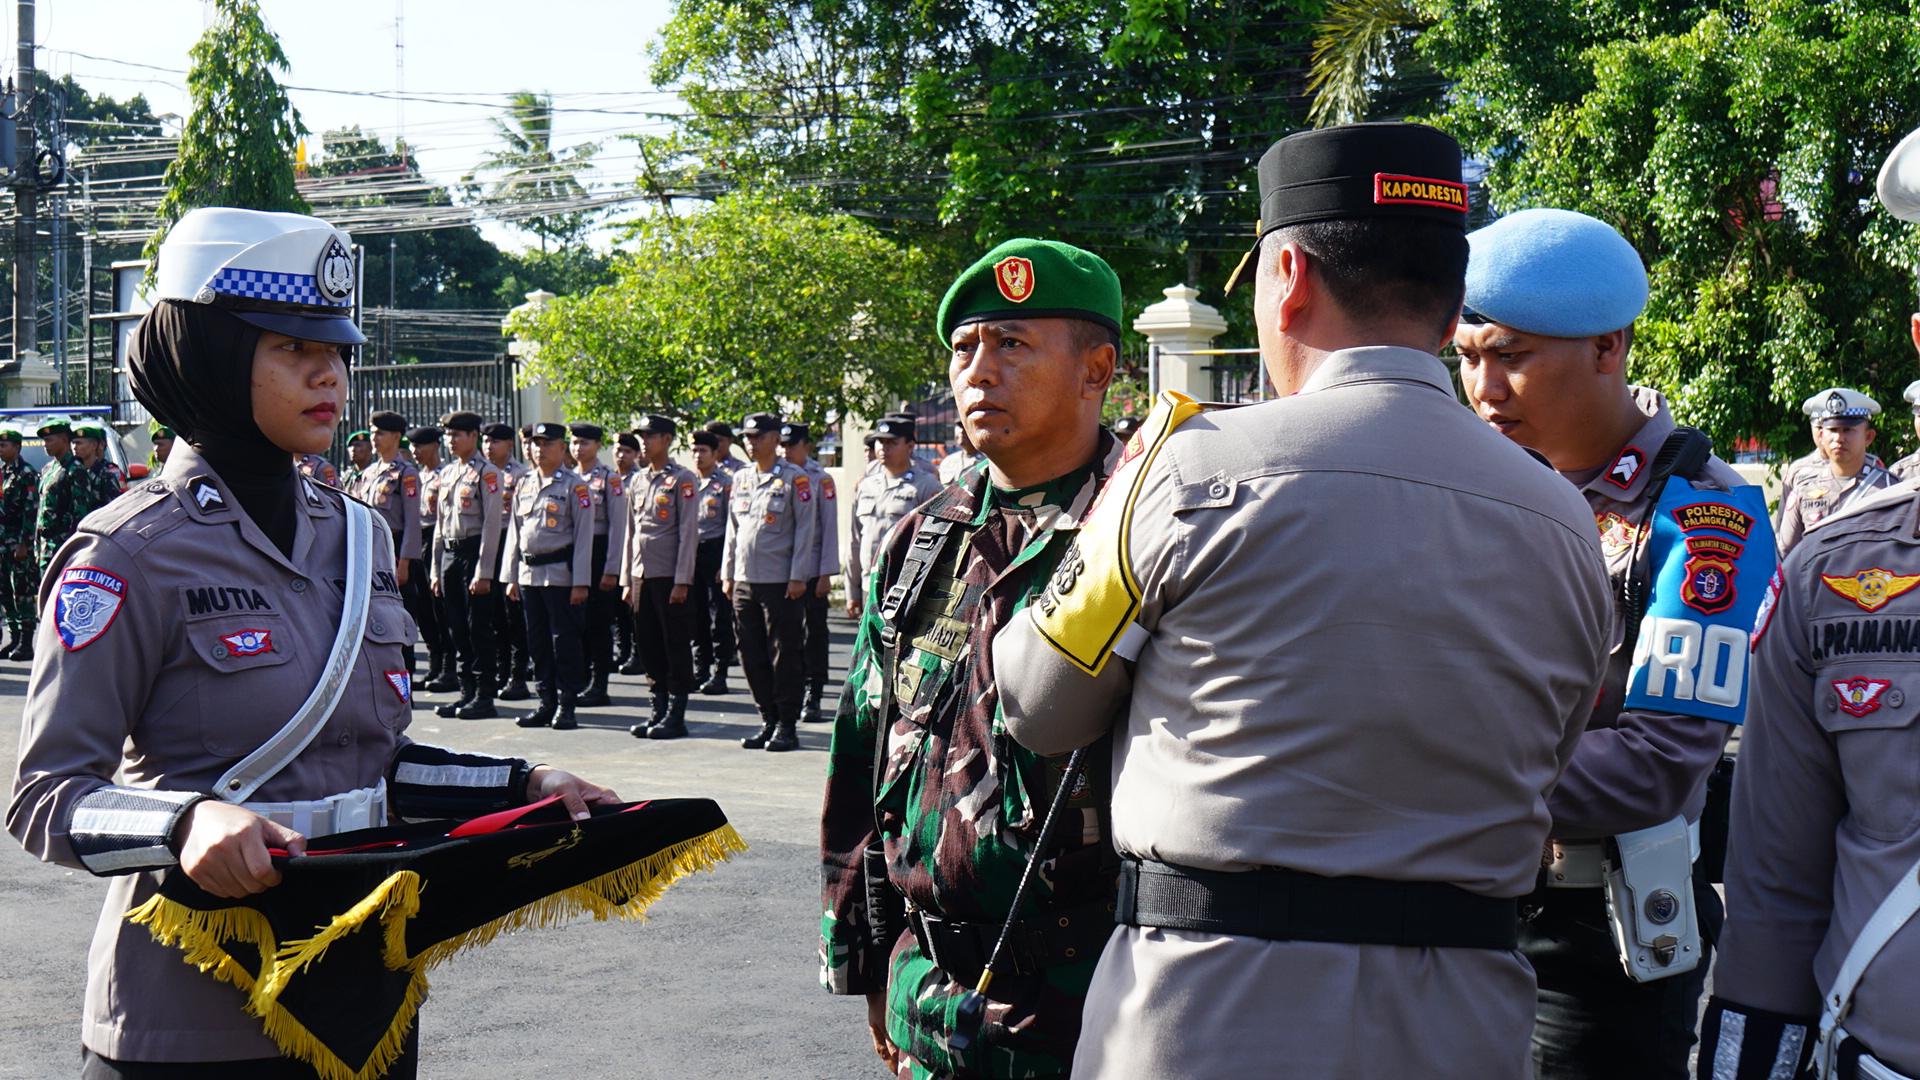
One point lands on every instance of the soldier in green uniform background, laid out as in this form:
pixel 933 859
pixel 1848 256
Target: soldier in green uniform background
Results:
pixel 162 437
pixel 916 888
pixel 359 458
pixel 63 484
pixel 104 478
pixel 19 580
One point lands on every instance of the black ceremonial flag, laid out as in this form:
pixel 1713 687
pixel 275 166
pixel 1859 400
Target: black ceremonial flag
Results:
pixel 334 959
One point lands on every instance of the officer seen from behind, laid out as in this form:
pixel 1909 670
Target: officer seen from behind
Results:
pixel 19 580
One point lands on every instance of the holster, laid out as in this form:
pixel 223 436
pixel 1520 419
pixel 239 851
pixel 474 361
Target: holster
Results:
pixel 1648 882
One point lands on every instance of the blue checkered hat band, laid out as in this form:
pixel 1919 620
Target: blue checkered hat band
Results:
pixel 272 287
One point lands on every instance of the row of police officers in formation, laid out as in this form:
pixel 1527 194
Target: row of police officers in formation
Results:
pixel 1357 734
pixel 535 566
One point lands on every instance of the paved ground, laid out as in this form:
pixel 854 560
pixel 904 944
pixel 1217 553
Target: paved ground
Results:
pixel 720 983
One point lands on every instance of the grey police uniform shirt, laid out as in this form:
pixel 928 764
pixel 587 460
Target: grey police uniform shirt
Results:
pixel 469 495
pixel 430 495
pixel 551 513
pixel 1816 494
pixel 392 488
pixel 663 535
pixel 821 489
pixel 1635 769
pixel 1826 804
pixel 609 513
pixel 770 530
pixel 202 640
pixel 1906 468
pixel 879 503
pixel 1335 675
pixel 715 490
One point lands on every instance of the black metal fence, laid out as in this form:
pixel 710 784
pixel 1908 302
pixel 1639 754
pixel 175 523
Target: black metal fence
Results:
pixel 423 393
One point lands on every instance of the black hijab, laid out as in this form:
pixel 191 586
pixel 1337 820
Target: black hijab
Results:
pixel 192 367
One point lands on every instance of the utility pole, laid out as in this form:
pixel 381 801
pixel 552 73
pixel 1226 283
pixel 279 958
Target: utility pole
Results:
pixel 26 324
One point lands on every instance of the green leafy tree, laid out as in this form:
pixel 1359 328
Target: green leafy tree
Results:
pixel 750 304
pixel 237 146
pixel 1735 144
pixel 533 184
pixel 1127 126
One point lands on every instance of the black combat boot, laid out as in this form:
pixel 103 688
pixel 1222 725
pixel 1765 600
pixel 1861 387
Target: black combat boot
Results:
pixel 813 714
pixel 469 690
pixel 654 720
pixel 563 720
pixel 23 651
pixel 701 673
pixel 543 715
pixel 441 676
pixel 596 695
pixel 675 726
pixel 784 738
pixel 7 653
pixel 718 683
pixel 632 666
pixel 515 689
pixel 481 707
pixel 759 742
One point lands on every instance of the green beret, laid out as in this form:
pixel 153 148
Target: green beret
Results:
pixel 54 426
pixel 359 435
pixel 89 431
pixel 12 435
pixel 158 430
pixel 1033 279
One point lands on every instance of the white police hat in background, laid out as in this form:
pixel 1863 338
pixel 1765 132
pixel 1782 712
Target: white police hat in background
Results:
pixel 288 273
pixel 1899 184
pixel 1840 403
pixel 1912 394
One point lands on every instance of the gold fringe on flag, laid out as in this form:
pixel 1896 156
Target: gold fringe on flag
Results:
pixel 624 893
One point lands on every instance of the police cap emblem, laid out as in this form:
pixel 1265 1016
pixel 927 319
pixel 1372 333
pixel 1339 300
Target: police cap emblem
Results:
pixel 335 272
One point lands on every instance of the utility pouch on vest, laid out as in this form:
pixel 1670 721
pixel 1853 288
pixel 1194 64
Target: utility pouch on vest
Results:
pixel 1649 892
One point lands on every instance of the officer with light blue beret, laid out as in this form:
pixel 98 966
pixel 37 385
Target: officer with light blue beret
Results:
pixel 1551 298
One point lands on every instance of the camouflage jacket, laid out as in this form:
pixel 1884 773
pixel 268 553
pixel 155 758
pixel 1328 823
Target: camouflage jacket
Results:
pixel 19 503
pixel 70 491
pixel 960 803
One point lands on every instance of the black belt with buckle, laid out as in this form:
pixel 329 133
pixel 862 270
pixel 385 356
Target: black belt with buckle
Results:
pixel 548 558
pixel 1292 905
pixel 1047 939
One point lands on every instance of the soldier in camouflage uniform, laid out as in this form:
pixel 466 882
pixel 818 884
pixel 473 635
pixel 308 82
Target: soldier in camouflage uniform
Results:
pixel 106 481
pixel 959 804
pixel 65 490
pixel 19 582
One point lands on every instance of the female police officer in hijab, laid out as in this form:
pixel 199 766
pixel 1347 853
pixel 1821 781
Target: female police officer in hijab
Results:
pixel 219 670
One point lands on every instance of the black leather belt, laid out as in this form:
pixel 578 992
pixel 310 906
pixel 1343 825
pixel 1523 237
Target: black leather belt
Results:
pixel 1050 938
pixel 548 558
pixel 466 548
pixel 1292 905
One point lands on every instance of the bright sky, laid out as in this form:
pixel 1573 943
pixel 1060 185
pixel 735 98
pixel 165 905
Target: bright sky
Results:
pixel 468 54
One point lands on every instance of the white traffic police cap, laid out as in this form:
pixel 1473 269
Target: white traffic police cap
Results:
pixel 288 273
pixel 1899 184
pixel 1840 403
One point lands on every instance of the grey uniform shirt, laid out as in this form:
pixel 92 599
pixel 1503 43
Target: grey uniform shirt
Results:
pixel 1634 769
pixel 216 640
pixel 392 488
pixel 820 489
pixel 469 495
pixel 1906 468
pixel 1826 804
pixel 1817 494
pixel 430 494
pixel 609 513
pixel 664 534
pixel 550 513
pixel 714 492
pixel 770 533
pixel 1336 674
pixel 879 503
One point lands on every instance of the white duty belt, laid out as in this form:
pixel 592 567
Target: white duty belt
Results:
pixel 1894 912
pixel 361 808
pixel 246 776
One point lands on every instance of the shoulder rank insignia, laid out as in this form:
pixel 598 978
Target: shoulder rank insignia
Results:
pixel 1625 467
pixel 1871 589
pixel 1860 696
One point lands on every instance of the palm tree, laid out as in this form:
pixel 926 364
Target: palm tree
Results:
pixel 533 183
pixel 1363 51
